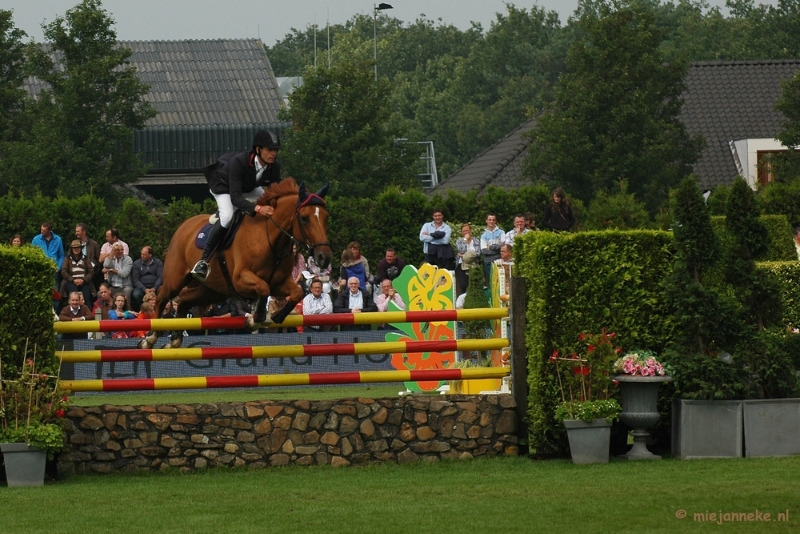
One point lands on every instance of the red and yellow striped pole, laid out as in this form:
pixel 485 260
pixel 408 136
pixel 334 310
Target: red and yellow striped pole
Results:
pixel 279 351
pixel 334 319
pixel 302 379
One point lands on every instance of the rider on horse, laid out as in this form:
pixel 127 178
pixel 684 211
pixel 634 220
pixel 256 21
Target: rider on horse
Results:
pixel 237 181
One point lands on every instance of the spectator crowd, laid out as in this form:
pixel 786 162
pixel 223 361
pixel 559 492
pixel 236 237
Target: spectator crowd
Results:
pixel 94 281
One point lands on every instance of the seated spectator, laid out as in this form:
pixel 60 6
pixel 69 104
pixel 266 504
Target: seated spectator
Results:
pixel 299 267
pixel 118 268
pixel 219 310
pixel 530 221
pixel 16 240
pixel 76 273
pixel 354 300
pixel 323 275
pixel 146 276
pixel 149 297
pixel 467 245
pixel 351 267
pixel 148 311
pixel 104 302
pixel 317 303
pixel 75 311
pixel 120 312
pixel 504 266
pixel 170 309
pixel 355 248
pixel 390 266
pixel 90 249
pixel 388 294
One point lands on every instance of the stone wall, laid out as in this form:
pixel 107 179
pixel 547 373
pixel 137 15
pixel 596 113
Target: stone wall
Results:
pixel 108 438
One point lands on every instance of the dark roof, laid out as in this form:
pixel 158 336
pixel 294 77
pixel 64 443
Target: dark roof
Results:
pixel 499 165
pixel 724 101
pixel 211 95
pixel 731 100
pixel 207 83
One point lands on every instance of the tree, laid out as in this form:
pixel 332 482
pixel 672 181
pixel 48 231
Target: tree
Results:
pixel 12 74
pixel 615 113
pixel 81 139
pixel 341 135
pixel 704 317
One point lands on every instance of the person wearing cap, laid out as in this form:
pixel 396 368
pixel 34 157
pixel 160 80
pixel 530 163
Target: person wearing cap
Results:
pixel 77 272
pixel 236 181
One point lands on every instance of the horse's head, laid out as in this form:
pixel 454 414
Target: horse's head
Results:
pixel 312 224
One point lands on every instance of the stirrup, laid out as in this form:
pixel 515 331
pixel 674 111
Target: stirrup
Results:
pixel 200 270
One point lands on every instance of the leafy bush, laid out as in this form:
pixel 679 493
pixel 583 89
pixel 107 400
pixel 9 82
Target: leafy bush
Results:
pixel 26 310
pixel 619 211
pixel 584 282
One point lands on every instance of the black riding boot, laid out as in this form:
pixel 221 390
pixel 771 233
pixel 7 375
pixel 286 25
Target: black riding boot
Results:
pixel 215 235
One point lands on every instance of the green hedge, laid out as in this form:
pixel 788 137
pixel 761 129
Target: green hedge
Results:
pixel 138 224
pixel 26 311
pixel 788 273
pixel 585 282
pixel 781 245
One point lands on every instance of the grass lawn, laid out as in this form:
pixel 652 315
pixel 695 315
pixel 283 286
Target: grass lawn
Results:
pixel 511 495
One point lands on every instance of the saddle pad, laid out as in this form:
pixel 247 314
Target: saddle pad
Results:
pixel 202 236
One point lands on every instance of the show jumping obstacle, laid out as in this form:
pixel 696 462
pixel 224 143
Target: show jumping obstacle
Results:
pixel 328 349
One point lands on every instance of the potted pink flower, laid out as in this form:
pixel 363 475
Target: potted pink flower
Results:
pixel 640 376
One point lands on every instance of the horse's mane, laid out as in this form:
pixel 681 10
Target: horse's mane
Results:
pixel 281 189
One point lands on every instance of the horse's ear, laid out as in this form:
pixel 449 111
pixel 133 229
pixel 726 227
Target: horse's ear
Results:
pixel 302 193
pixel 324 191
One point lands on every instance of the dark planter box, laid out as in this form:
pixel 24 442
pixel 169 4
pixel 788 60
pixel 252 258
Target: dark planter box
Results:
pixel 707 429
pixel 772 427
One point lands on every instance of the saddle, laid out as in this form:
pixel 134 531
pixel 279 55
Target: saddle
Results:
pixel 202 235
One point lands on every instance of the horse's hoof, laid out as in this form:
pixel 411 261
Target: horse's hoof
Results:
pixel 149 340
pixel 250 324
pixel 175 341
pixel 279 317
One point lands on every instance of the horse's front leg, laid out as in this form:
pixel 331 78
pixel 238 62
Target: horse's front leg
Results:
pixel 295 295
pixel 248 283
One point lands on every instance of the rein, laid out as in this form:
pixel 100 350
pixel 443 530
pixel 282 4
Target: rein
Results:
pixel 304 245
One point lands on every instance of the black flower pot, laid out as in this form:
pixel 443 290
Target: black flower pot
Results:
pixel 639 400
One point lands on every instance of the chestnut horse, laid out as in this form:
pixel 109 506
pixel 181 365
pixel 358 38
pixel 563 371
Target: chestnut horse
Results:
pixel 259 261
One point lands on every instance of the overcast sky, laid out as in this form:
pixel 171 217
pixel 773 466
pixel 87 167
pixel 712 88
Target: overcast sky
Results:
pixel 145 20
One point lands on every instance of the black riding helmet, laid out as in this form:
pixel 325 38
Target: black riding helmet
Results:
pixel 264 139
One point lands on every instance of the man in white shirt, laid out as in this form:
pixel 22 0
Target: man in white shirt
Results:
pixel 354 300
pixel 317 303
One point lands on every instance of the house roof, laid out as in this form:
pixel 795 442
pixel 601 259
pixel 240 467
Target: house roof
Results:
pixel 731 100
pixel 724 101
pixel 499 165
pixel 207 82
pixel 211 97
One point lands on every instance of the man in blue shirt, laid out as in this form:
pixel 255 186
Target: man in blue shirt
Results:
pixel 53 248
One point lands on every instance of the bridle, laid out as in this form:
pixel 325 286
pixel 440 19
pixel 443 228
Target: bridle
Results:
pixel 304 244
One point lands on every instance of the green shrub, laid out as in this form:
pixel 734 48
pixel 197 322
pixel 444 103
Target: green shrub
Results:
pixel 619 211
pixel 585 282
pixel 779 236
pixel 26 310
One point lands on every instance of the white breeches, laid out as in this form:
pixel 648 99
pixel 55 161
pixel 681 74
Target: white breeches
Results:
pixel 226 207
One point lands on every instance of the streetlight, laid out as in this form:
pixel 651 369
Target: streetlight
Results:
pixel 375 9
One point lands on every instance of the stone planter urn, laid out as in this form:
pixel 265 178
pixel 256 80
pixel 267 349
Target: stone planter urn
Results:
pixel 24 464
pixel 589 443
pixel 639 400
